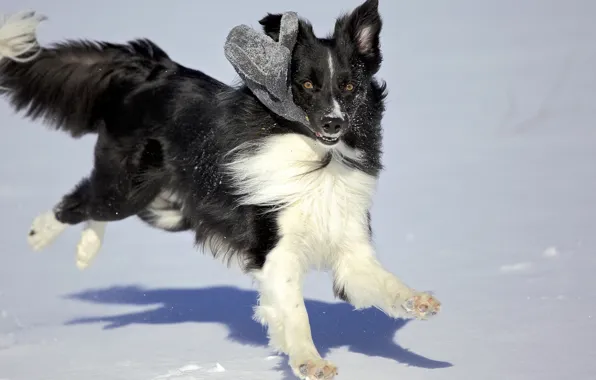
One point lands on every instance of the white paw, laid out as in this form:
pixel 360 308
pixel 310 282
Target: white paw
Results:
pixel 422 306
pixel 90 243
pixel 44 230
pixel 315 369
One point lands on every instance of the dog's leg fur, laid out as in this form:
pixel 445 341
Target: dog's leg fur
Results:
pixel 361 280
pixel 44 230
pixel 282 309
pixel 90 243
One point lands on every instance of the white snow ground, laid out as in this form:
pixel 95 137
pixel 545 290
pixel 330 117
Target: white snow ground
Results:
pixel 488 199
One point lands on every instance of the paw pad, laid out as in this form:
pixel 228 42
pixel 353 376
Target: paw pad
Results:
pixel 317 370
pixel 422 306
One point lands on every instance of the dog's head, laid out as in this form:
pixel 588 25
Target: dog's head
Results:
pixel 331 76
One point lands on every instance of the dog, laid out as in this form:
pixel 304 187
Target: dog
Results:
pixel 183 151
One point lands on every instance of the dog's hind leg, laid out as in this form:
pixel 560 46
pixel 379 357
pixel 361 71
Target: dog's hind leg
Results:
pixel 112 192
pixel 49 225
pixel 46 228
pixel 95 205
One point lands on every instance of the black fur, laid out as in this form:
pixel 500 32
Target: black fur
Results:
pixel 76 85
pixel 163 127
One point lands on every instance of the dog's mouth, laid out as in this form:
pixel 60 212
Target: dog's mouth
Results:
pixel 327 140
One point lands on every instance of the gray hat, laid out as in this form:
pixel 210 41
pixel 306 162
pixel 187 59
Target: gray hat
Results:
pixel 264 65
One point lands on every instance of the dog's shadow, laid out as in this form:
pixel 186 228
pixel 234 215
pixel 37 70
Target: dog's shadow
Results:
pixel 333 325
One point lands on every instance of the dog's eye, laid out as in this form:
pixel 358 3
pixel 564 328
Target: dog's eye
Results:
pixel 349 87
pixel 308 85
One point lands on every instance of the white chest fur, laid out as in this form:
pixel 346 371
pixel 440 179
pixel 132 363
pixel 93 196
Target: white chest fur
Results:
pixel 320 208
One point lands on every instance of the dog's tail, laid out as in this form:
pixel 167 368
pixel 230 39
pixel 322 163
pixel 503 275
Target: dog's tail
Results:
pixel 73 85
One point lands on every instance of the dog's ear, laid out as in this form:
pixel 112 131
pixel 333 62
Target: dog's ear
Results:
pixel 361 29
pixel 271 25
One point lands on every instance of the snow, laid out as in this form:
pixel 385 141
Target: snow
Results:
pixel 550 252
pixel 487 200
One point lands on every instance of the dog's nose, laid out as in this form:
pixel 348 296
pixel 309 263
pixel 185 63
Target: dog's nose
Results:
pixel 333 125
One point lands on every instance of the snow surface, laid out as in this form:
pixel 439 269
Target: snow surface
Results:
pixel 488 199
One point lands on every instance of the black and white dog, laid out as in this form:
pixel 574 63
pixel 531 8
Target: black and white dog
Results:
pixel 183 151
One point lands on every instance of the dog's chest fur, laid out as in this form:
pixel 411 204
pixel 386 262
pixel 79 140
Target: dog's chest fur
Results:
pixel 320 207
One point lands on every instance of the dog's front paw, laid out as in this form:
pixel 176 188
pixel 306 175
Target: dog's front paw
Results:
pixel 422 306
pixel 315 369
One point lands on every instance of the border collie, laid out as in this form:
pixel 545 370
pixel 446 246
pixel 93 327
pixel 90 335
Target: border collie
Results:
pixel 183 151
